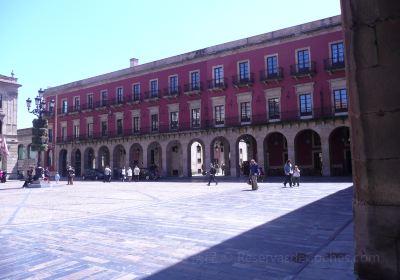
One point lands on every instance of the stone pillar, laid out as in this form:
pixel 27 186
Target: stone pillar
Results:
pixel 290 148
pixel 207 154
pixel 260 153
pixel 233 157
pixel 144 156
pixel 163 159
pixel 372 42
pixel 326 161
pixel 184 159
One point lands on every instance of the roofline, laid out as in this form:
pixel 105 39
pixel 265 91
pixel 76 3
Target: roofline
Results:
pixel 287 34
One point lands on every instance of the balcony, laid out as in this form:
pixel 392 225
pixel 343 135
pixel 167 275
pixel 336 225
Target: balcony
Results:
pixel 62 111
pixel 274 75
pixel 101 104
pixel 333 65
pixel 135 98
pixel 217 85
pixel 193 88
pixel 303 70
pixel 172 92
pixel 151 96
pixel 117 102
pixel 281 117
pixel 87 107
pixel 238 81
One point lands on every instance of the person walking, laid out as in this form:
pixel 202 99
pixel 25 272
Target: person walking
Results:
pixel 296 176
pixel 254 173
pixel 129 174
pixel 212 171
pixel 123 174
pixel 223 169
pixel 136 173
pixel 107 174
pixel 46 173
pixel 288 169
pixel 71 175
pixel 57 177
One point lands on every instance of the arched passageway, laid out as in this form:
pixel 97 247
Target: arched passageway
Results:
pixel 154 157
pixel 174 159
pixel 246 147
pixel 119 160
pixel 276 154
pixel 340 154
pixel 76 162
pixel 136 156
pixel 220 156
pixel 103 158
pixel 62 163
pixel 307 144
pixel 89 159
pixel 196 158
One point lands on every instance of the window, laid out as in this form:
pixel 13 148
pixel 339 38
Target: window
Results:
pixel 195 81
pixel 90 101
pixel 51 107
pixel 64 106
pixel 76 103
pixel 120 95
pixel 21 152
pixel 154 88
pixel 219 76
pixel 119 127
pixel 305 104
pixel 90 130
pixel 245 112
pixel 104 98
pixel 303 60
pixel 219 114
pixel 273 109
pixel 174 116
pixel 104 128
pixel 64 133
pixel 154 122
pixel 337 52
pixel 196 117
pixel 50 133
pixel 244 71
pixel 136 92
pixel 136 124
pixel 173 85
pixel 76 131
pixel 272 66
pixel 340 96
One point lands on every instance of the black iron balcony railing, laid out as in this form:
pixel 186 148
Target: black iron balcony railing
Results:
pixel 101 103
pixel 218 84
pixel 172 92
pixel 193 87
pixel 334 64
pixel 152 95
pixel 88 106
pixel 61 111
pixel 243 81
pixel 136 97
pixel 272 75
pixel 257 119
pixel 303 69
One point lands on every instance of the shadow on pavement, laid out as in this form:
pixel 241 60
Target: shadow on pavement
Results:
pixel 279 249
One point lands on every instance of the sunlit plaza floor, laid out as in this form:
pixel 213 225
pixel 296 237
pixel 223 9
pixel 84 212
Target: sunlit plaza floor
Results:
pixel 176 230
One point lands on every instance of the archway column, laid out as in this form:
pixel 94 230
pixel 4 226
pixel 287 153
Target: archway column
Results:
pixel 260 152
pixel 234 158
pixel 185 156
pixel 290 147
pixel 326 161
pixel 163 158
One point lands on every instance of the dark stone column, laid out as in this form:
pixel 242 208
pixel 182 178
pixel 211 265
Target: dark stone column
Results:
pixel 372 40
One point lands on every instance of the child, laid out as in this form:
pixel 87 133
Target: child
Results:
pixel 296 176
pixel 57 177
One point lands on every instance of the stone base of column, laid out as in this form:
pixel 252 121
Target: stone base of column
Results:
pixel 39 184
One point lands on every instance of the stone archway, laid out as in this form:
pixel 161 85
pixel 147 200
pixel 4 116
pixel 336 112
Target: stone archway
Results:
pixel 103 158
pixel 340 154
pixel 89 159
pixel 76 162
pixel 220 154
pixel 246 147
pixel 196 164
pixel 136 155
pixel 62 163
pixel 174 154
pixel 276 153
pixel 308 152
pixel 154 156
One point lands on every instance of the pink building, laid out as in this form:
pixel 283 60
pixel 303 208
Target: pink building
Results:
pixel 269 97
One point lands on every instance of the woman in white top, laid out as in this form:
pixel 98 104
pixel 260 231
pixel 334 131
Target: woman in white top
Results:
pixel 296 176
pixel 136 173
pixel 129 174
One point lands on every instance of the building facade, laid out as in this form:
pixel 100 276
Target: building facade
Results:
pixel 8 124
pixel 269 97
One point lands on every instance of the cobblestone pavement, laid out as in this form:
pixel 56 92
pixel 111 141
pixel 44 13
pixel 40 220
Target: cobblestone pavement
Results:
pixel 176 230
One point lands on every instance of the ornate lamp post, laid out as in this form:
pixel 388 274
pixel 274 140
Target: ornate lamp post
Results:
pixel 39 131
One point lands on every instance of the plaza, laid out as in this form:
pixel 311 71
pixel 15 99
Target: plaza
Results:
pixel 177 230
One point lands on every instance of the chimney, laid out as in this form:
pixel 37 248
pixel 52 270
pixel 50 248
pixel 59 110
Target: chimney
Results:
pixel 134 62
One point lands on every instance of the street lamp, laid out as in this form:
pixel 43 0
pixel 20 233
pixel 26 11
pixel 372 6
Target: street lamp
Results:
pixel 39 110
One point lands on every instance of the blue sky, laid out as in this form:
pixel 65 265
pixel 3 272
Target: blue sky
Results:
pixel 53 42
